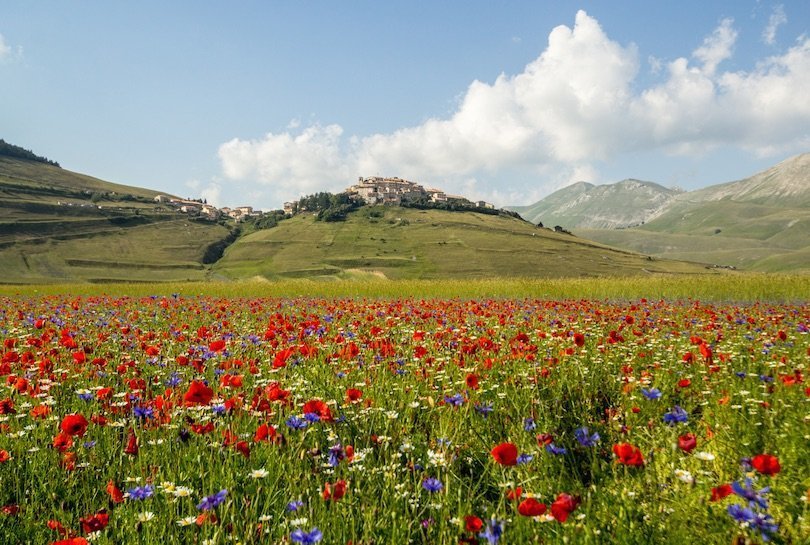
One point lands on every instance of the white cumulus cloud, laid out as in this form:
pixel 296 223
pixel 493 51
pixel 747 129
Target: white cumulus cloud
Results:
pixel 576 104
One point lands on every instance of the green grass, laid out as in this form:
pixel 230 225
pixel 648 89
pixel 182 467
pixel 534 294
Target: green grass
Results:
pixel 427 244
pixel 727 288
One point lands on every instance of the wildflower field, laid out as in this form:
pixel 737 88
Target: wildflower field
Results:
pixel 206 419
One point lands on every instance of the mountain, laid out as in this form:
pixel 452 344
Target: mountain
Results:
pixel 58 225
pixel 583 205
pixel 760 223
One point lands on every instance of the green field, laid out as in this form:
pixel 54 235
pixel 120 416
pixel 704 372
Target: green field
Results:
pixel 403 243
pixel 725 288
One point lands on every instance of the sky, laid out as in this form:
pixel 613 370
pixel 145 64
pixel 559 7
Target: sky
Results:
pixel 261 102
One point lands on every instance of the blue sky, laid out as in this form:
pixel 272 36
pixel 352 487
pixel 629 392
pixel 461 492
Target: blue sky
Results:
pixel 261 102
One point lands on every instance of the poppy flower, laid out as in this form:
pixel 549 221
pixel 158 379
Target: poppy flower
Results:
pixel 472 381
pixel 116 496
pixel 353 395
pixel 198 394
pixel 530 507
pixel 564 505
pixel 720 492
pixel 628 454
pixel 318 408
pixel 334 491
pixel 4 456
pixel 74 424
pixel 766 464
pixel 132 444
pixel 687 442
pixel 473 524
pixel 95 522
pixel 505 454
pixel 217 346
pixel 579 339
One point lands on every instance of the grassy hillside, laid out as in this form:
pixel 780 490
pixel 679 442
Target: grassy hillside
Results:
pixel 57 225
pixel 402 243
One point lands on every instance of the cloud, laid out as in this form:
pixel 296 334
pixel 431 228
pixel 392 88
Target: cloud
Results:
pixel 777 19
pixel 5 49
pixel 7 52
pixel 576 104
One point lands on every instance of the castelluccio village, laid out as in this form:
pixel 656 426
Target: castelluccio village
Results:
pixel 369 273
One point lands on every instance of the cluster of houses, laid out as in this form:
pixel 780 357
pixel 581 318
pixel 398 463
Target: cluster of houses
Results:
pixel 393 191
pixel 373 190
pixel 205 210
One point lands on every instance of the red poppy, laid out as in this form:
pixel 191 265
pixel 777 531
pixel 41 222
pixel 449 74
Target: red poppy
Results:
pixel 353 395
pixel 217 346
pixel 514 495
pixel 198 394
pixel 564 505
pixel 116 496
pixel 4 456
pixel 530 507
pixel 62 441
pixel 720 492
pixel 319 408
pixel 505 454
pixel 265 432
pixel 132 444
pixel 472 381
pixel 687 442
pixel 74 424
pixel 473 524
pixel 766 464
pixel 334 491
pixel 95 522
pixel 71 541
pixel 579 339
pixel 628 454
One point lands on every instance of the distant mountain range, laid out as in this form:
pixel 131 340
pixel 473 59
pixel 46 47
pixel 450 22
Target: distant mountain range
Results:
pixel 758 223
pixel 623 204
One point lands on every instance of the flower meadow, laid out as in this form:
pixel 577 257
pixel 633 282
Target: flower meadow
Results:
pixel 205 420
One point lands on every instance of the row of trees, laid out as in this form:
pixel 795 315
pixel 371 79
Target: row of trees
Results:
pixel 10 150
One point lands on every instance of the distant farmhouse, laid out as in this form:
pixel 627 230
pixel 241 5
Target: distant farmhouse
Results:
pixel 200 209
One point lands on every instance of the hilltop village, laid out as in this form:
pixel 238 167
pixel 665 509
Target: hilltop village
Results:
pixel 375 190
pixel 394 192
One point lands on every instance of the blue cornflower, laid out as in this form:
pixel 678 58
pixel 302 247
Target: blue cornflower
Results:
pixel 554 449
pixel 296 423
pixel 143 412
pixel 740 513
pixel 585 438
pixel 493 532
pixel 336 454
pixel 86 396
pixel 89 444
pixel 484 409
pixel 524 459
pixel 456 400
pixel 676 415
pixel 141 492
pixel 295 505
pixel 765 524
pixel 306 538
pixel 219 409
pixel 652 394
pixel 528 424
pixel 432 485
pixel 748 492
pixel 311 417
pixel 210 502
pixel 173 380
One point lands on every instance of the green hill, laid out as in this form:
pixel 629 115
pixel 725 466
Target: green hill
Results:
pixel 58 225
pixel 399 242
pixel 61 226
